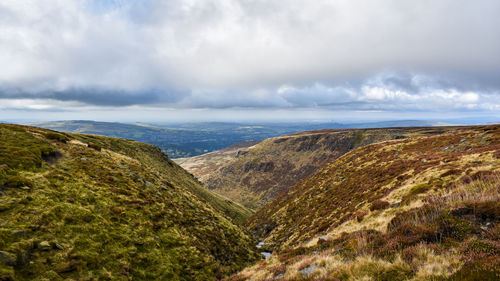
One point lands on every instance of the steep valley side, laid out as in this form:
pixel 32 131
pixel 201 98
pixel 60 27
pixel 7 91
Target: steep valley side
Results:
pixel 86 207
pixel 421 208
pixel 255 175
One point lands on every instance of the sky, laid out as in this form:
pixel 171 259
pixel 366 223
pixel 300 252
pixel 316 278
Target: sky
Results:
pixel 226 60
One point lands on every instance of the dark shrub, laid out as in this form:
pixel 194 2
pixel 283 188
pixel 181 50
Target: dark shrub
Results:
pixel 451 172
pixel 57 137
pixel 16 181
pixel 95 146
pixel 379 205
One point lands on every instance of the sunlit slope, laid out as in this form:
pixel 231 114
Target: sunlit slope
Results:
pixel 395 171
pixel 87 207
pixel 423 208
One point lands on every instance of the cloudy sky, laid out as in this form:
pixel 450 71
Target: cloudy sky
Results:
pixel 143 60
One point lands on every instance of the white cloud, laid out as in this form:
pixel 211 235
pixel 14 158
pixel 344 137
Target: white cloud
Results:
pixel 356 54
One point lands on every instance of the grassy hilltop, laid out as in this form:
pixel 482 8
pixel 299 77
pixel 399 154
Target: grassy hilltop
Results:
pixel 88 207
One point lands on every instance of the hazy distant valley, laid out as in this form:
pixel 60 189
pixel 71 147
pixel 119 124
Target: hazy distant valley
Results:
pixel 191 139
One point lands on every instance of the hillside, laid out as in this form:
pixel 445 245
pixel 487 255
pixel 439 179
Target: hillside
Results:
pixel 87 207
pixel 202 166
pixel 255 175
pixel 424 208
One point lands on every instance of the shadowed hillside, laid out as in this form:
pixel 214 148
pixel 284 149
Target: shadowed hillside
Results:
pixel 87 207
pixel 422 208
pixel 255 175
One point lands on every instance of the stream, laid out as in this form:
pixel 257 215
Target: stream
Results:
pixel 266 255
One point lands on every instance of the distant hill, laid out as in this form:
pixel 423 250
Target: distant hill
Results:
pixel 255 175
pixel 86 207
pixel 420 208
pixel 191 139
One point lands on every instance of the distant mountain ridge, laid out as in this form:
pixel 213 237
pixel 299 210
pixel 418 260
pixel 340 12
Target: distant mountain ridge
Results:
pixel 191 139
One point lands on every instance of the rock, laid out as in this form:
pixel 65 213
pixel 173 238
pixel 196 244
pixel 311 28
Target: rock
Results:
pixel 241 152
pixel 308 270
pixel 44 246
pixel 338 250
pixel 67 266
pixel 7 258
pixel 56 246
pixel 19 233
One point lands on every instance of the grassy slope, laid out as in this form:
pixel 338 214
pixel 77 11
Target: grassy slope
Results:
pixel 257 175
pixel 414 209
pixel 202 166
pixel 88 207
pixel 153 157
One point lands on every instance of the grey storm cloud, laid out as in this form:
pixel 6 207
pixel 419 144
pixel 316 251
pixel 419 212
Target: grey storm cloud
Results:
pixel 352 54
pixel 97 96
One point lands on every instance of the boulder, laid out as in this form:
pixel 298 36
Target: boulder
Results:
pixel 44 246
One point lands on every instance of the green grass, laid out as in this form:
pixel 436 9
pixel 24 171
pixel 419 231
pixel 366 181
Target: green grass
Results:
pixel 112 210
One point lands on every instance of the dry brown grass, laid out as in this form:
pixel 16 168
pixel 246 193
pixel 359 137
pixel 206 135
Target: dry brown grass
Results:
pixel 453 232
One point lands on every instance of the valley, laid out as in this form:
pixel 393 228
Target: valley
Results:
pixel 406 203
pixel 254 175
pixel 230 140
